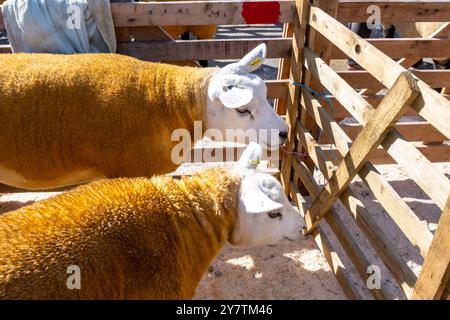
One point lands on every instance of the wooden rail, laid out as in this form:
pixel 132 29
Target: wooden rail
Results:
pixel 237 12
pixel 395 11
pixel 202 13
pixel 403 92
pixel 411 130
pixel 406 47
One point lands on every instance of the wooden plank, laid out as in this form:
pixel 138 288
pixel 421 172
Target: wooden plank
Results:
pixel 406 47
pixel 412 131
pixel 365 221
pixel 411 226
pixel 329 252
pixel 284 68
pixel 433 153
pixel 428 177
pixel 182 50
pixel 403 92
pixel 149 34
pixel 314 151
pixel 340 112
pixel 324 48
pixel 202 13
pixel 185 50
pixel 431 105
pixel 128 34
pixel 342 233
pixel 380 241
pixel 395 10
pixel 298 41
pixel 342 91
pixel 363 79
pixel 230 12
pixel 338 268
pixel 436 268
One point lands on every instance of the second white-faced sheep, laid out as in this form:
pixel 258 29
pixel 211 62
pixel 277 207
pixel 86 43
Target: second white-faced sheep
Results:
pixel 140 238
pixel 68 119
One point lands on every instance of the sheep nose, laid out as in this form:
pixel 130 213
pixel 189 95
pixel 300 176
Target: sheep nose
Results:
pixel 283 135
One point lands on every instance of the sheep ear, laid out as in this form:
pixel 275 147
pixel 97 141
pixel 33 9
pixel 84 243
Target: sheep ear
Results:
pixel 254 59
pixel 249 63
pixel 257 202
pixel 250 158
pixel 234 97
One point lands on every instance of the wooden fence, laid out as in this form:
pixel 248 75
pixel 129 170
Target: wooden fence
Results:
pixel 318 37
pixel 314 35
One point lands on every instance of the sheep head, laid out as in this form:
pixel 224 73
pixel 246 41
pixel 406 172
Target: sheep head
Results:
pixel 265 215
pixel 237 103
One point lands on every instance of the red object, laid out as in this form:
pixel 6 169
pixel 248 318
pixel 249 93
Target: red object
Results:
pixel 261 12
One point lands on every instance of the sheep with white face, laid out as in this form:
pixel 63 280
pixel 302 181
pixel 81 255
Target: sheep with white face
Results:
pixel 237 99
pixel 69 119
pixel 265 213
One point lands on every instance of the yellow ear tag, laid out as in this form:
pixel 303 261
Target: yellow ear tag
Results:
pixel 256 61
pixel 254 161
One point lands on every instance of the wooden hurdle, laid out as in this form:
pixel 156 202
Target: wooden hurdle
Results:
pixel 323 37
pixel 377 98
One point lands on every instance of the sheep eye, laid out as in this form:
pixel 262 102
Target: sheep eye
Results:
pixel 274 214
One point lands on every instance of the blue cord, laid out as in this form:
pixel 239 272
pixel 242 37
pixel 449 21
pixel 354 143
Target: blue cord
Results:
pixel 327 99
pixel 317 94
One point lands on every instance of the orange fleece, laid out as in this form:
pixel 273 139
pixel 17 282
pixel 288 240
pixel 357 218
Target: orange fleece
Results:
pixel 107 113
pixel 131 238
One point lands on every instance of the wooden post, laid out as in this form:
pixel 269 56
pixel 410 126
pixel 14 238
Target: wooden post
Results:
pixel 323 47
pixel 435 272
pixel 298 41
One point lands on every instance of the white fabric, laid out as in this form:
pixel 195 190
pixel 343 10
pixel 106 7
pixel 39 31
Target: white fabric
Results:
pixel 59 26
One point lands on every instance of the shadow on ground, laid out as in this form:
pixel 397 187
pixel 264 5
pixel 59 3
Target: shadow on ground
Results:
pixel 289 270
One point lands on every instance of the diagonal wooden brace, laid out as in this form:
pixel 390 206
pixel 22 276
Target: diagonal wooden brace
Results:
pixel 400 96
pixel 435 272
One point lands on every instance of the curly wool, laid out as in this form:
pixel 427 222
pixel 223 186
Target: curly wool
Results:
pixel 131 238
